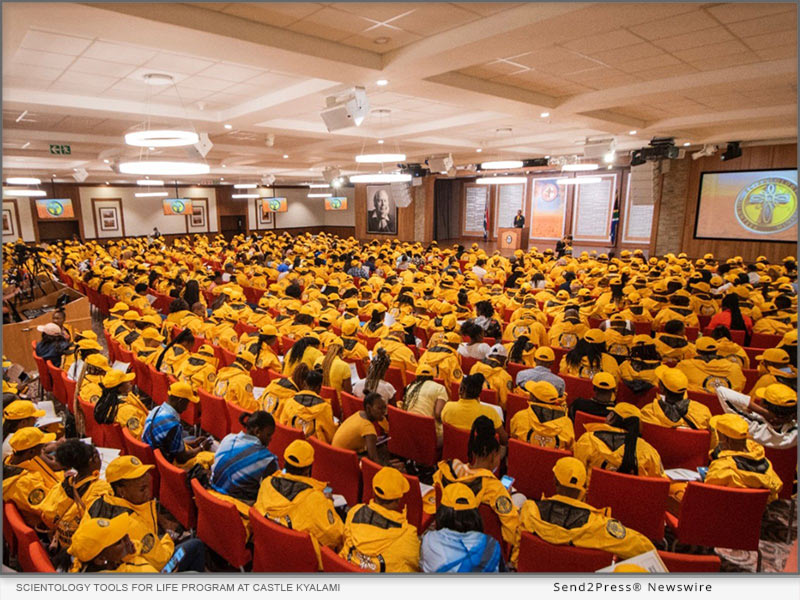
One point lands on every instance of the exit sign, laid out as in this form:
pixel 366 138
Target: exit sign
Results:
pixel 60 149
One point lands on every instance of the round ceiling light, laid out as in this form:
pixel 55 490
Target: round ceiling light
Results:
pixel 23 181
pixel 151 194
pixel 157 78
pixel 245 195
pixel 500 180
pixel 380 178
pixel 149 182
pixel 163 167
pixel 502 164
pixel 245 186
pixel 380 158
pixel 320 195
pixel 23 193
pixel 581 167
pixel 161 138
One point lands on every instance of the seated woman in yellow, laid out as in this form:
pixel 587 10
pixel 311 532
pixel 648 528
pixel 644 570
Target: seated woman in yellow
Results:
pixel 424 396
pixel 445 359
pixel 104 546
pixel 526 324
pixel 178 350
pixel 178 311
pixel 589 357
pixel 545 423
pixel 638 372
pixel 678 308
pixel 359 431
pixel 728 349
pixel 775 366
pixel 118 404
pixel 771 321
pixel 375 327
pixel 274 397
pixel 200 369
pixel 467 408
pixel 60 512
pixel 309 412
pixel 619 338
pixel 353 349
pixel 305 350
pixel 260 345
pixel 521 351
pixel 616 445
pixel 150 346
pixel 336 373
pixel 672 344
pixel 568 331
pixel 222 333
pixel 493 370
pixel 672 408
pixel 234 383
pixel 707 370
pixel 400 355
pixel 302 325
pixel 485 454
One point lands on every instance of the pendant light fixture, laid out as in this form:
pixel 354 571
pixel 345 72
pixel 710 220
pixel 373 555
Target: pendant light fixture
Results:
pixel 23 181
pixel 23 193
pixel 384 175
pixel 498 163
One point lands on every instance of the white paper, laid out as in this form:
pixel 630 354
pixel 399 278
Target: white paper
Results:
pixel 354 378
pixel 424 488
pixel 121 366
pixel 683 475
pixel 649 560
pixel 107 455
pixel 50 415
pixel 257 391
pixel 495 407
pixel 338 500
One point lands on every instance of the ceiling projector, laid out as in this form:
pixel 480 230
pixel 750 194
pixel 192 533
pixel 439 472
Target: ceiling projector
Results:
pixel 348 110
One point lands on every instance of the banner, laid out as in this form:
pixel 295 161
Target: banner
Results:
pixel 177 206
pixel 547 211
pixel 54 208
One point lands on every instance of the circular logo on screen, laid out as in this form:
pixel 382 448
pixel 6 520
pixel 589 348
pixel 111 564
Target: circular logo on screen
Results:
pixel 549 192
pixel 177 206
pixel 55 208
pixel 509 238
pixel 768 205
pixel 335 203
pixel 274 205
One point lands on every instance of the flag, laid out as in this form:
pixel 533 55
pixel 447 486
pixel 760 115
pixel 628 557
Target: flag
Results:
pixel 485 221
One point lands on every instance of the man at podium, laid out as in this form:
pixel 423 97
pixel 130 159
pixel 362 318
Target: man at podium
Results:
pixel 519 220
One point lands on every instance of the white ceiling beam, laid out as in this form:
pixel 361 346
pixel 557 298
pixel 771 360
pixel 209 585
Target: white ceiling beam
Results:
pixel 704 119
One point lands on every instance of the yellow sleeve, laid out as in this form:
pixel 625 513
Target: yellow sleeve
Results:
pixel 327 525
pixel 499 499
pixel 612 536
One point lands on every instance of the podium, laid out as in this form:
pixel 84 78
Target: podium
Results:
pixel 513 238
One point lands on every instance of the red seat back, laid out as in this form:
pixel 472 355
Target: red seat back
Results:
pixel 159 385
pixel 467 362
pixel 70 387
pixel 92 429
pixel 642 328
pixel 455 443
pixel 225 358
pixel 413 436
pixel 143 381
pixel 709 400
pixel 234 412
pixel 350 404
pixel 57 383
pixel 22 534
pixel 514 369
pixel 394 376
pixel 339 467
pixel 213 415
pixel 751 376
pixel 34 559
pixel 752 353
pixel 174 492
pixel 260 377
pixel 581 419
pixel 330 395
pixel 721 517
pixel 278 549
pixel 112 436
pixel 690 563
pixel 514 404
pixel 615 490
pixel 577 387
pixel 626 394
pixel 333 563
pixel 538 556
pixel 680 447
pixel 44 374
pixel 126 356
pixel 282 437
pixel 220 527
pixel 141 451
pixel 412 500
pixel 784 463
pixel 532 468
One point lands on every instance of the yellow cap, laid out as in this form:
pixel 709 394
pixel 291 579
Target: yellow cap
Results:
pixel 545 353
pixel 389 484
pixel 774 355
pixel 451 337
pixel 181 389
pixel 130 315
pixel 604 381
pixel 299 454
pixel 459 497
pixel 97 360
pixel 151 333
pixel 28 437
pixel 87 344
pixel 673 379
pixel 706 344
pixel 248 356
pixel 570 472
pixel 449 322
pixel 595 336
pixel 21 409
pixel 630 568
pixel 425 370
pixel 349 326
pixel 541 391
pixel 777 394
pixel 119 308
pixel 789 338
pixel 125 467
pixel 269 330
pixel 88 334
pixel 95 535
pixel 730 425
pixel 115 377
pixel 626 410
pixel 6 363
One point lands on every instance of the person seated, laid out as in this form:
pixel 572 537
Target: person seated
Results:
pixel 30 472
pixel 679 308
pixel 544 357
pixel 302 325
pixel 377 536
pixel 234 383
pixel 775 367
pixel 105 546
pixel 671 344
pixel 527 324
pixel 260 345
pixel 400 355
pixel 178 350
pixel 485 454
pixel 243 461
pixel 115 402
pixel 605 393
pixel 570 329
pixel 564 519
pixel 359 431
pixel 638 372
pixel 475 348
pixel 131 494
pixel 309 412
pixel 616 445
pixel 374 381
pixel 707 370
pixel 426 397
pixel 770 411
pixel 671 407
pixel 163 430
pixel 375 327
pixel 588 357
pixel 545 422
pixel 200 369
pixel 619 337
pixel 53 346
pixel 789 344
pixel 295 499
pixel 148 346
pixel 354 349
pixel 771 321
pixel 494 372
pixel 728 349
pixel 305 350
pixel 444 358
pixel 462 414
pixel 280 390
pixel 17 415
pixel 458 544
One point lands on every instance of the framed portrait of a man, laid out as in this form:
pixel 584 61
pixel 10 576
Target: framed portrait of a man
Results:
pixel 381 210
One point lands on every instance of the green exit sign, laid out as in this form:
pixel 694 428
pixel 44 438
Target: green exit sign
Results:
pixel 61 149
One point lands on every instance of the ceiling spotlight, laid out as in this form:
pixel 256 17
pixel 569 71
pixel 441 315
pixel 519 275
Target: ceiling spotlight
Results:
pixel 106 183
pixel 500 180
pixel 245 186
pixel 161 138
pixel 609 157
pixel 285 156
pixel 547 157
pixel 382 82
pixel 24 180
pixel 544 115
pixel 228 126
pixel 380 141
pixel 632 132
pixel 733 150
pixel 149 182
pixel 222 179
pixel 478 150
pixel 105 160
pixel 502 164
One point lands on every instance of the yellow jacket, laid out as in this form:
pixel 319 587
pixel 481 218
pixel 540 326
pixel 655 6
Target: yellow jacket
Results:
pixel 401 356
pixel 381 540
pixel 544 425
pixel 26 485
pixel 310 357
pixel 311 414
pixel 497 378
pixel 744 470
pixel 568 521
pixel 707 376
pixel 173 359
pixel 446 363
pixel 199 372
pixel 534 330
pixel 236 386
pixel 771 326
pixel 59 511
pixel 148 356
pixel 266 359
pixel 353 349
pixel 275 395
pixel 618 345
pixel 300 504
pixel 603 446
pixel 628 373
pixel 585 370
pixel 697 415
pixel 733 352
pixel 674 347
pixel 566 334
pixel 224 336
pixel 669 313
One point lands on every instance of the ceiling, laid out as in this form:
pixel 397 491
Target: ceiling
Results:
pixel 460 75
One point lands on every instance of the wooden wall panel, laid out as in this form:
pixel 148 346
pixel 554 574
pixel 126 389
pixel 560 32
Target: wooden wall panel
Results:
pixel 405 219
pixel 754 157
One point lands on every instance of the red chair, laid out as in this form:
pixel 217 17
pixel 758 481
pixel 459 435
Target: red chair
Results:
pixel 720 517
pixel 455 443
pixel 752 353
pixel 213 415
pixel 626 394
pixel 279 549
pixel 286 344
pixel 514 404
pixel 91 427
pixel 412 500
pixel 18 530
pixel 174 492
pixel 126 356
pixel 260 377
pixel 642 328
pixel 339 467
pixel 234 412
pixel 538 556
pixel 191 415
pixel 361 368
pixel 394 376
pixel 577 387
pixel 220 527
pixel 709 400
pixel 692 333
pixel 143 381
pixel 489 396
pixel 493 527
pixel 559 354
pixel 738 335
pixel 784 463
pixel 467 362
pixel 159 385
pixel 679 448
pixel 58 384
pixel 350 404
pixel 330 395
pixel 226 358
pixel 581 420
pixel 532 468
pixel 112 436
pixel 282 437
pixel 69 390
pixel 514 369
pixel 751 377
pixel 413 436
pixel 690 563
pixel 141 451
pixel 34 559
pixel 45 382
pixel 333 563
pixel 615 490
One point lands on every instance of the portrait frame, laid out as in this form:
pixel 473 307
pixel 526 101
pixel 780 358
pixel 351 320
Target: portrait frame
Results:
pixel 9 225
pixel 372 224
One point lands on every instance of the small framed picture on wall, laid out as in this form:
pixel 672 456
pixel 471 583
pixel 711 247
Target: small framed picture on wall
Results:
pixel 8 224
pixel 264 218
pixel 108 218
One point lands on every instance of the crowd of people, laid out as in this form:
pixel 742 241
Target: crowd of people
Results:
pixel 328 318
